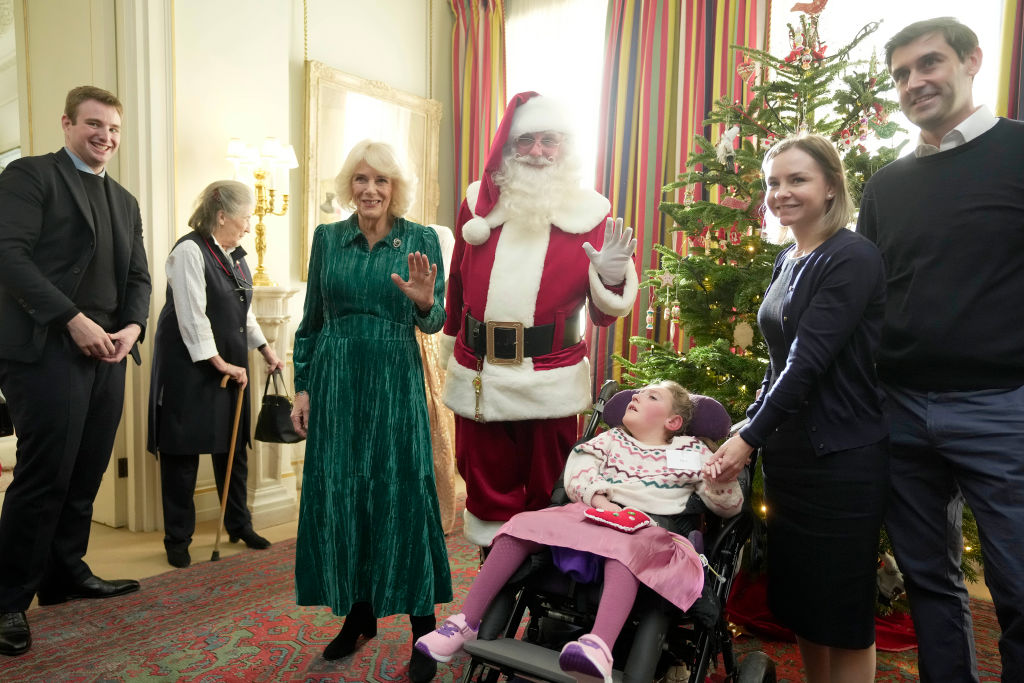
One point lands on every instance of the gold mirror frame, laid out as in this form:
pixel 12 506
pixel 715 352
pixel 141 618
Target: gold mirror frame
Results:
pixel 341 110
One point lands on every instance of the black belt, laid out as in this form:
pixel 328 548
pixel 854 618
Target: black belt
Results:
pixel 505 343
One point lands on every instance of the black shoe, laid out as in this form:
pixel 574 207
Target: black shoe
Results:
pixel 421 667
pixel 15 638
pixel 179 557
pixel 93 587
pixel 359 622
pixel 251 539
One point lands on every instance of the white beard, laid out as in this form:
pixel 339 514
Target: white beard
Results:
pixel 530 193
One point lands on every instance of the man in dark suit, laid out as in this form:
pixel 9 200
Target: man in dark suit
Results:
pixel 74 298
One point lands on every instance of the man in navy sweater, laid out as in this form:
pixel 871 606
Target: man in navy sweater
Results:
pixel 949 221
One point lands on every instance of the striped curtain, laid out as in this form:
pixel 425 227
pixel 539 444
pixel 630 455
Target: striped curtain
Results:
pixel 478 84
pixel 666 62
pixel 1011 97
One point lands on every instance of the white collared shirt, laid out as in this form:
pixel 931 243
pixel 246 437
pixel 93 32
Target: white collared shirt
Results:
pixel 974 125
pixel 186 275
pixel 82 166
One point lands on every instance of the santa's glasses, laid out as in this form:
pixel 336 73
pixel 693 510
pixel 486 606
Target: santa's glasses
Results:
pixel 548 143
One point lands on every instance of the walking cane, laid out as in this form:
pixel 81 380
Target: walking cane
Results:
pixel 227 473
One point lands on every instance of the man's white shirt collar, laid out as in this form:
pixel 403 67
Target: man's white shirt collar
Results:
pixel 973 126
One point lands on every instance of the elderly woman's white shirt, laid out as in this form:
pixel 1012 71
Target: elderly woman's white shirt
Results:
pixel 186 275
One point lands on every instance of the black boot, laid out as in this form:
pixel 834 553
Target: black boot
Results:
pixel 422 668
pixel 360 621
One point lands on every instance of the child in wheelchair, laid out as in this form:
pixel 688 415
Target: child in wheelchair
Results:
pixel 629 487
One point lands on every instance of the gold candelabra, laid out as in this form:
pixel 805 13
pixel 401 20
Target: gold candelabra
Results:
pixel 264 207
pixel 263 163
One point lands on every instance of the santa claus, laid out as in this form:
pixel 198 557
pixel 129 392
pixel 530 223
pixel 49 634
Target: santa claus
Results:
pixel 532 248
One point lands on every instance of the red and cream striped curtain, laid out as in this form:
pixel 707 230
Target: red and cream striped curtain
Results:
pixel 1011 97
pixel 478 84
pixel 666 62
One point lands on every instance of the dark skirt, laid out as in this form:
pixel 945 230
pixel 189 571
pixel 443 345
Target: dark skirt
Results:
pixel 824 518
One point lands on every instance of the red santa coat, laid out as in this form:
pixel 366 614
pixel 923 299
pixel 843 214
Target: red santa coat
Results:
pixel 536 278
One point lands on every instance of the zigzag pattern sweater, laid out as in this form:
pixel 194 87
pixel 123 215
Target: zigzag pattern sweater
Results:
pixel 638 475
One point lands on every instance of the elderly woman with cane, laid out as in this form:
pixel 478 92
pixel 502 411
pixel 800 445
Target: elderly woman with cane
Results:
pixel 204 334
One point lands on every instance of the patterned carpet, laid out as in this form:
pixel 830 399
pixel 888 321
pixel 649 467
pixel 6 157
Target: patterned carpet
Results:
pixel 236 620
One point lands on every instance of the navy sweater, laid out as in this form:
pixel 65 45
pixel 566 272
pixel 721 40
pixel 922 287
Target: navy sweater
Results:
pixel 832 321
pixel 951 230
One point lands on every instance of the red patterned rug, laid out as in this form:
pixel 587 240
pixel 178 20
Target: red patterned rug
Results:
pixel 229 621
pixel 236 621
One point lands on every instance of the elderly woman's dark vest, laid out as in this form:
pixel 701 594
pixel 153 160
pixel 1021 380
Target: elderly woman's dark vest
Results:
pixel 189 412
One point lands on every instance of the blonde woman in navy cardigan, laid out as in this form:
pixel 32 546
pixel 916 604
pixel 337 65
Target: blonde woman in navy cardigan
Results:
pixel 819 417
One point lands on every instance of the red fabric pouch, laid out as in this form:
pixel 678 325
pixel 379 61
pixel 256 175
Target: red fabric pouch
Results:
pixel 627 519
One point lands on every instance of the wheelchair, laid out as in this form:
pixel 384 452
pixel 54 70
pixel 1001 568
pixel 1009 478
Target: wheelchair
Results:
pixel 659 642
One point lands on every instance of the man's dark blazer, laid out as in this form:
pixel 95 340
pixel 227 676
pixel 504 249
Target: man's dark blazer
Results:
pixel 47 240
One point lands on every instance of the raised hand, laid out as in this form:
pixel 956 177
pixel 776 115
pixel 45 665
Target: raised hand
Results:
pixel 420 285
pixel 616 252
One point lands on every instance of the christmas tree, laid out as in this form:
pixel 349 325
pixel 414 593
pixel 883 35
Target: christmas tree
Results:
pixel 710 289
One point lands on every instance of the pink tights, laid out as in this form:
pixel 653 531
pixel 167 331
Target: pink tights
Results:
pixel 508 553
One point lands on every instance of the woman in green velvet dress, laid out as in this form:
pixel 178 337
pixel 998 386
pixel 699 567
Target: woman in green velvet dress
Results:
pixel 370 542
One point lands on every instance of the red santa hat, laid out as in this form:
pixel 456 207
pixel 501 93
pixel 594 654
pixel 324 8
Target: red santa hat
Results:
pixel 527 112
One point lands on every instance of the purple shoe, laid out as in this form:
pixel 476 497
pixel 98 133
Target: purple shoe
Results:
pixel 441 644
pixel 588 658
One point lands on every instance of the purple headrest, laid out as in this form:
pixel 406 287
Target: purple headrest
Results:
pixel 710 418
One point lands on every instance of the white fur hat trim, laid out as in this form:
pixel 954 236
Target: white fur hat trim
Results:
pixel 539 114
pixel 476 231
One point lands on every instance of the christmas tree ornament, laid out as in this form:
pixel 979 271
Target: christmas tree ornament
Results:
pixel 650 318
pixel 743 334
pixel 747 71
pixel 688 195
pixel 725 152
pixel 814 7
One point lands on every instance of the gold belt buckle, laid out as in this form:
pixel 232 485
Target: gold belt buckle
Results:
pixel 493 325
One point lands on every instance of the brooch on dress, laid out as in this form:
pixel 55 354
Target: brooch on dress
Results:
pixel 396 243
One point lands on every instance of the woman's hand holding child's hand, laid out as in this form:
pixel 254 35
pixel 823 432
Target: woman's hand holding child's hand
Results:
pixel 729 460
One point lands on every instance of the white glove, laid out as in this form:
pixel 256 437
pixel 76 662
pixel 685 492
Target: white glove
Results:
pixel 615 255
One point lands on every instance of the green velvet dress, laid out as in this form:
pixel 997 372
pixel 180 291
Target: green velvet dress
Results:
pixel 369 523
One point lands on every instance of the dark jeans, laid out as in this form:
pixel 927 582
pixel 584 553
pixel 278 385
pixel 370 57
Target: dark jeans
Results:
pixel 947 447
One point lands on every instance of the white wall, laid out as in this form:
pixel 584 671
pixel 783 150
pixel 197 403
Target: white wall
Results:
pixel 239 72
pixel 9 124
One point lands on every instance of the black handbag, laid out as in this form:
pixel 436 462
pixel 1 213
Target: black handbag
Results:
pixel 274 424
pixel 6 425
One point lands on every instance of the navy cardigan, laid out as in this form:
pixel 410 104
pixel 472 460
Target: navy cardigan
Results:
pixel 832 322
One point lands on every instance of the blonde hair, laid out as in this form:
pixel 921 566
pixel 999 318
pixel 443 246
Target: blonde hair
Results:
pixel 383 159
pixel 682 404
pixel 839 212
pixel 230 196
